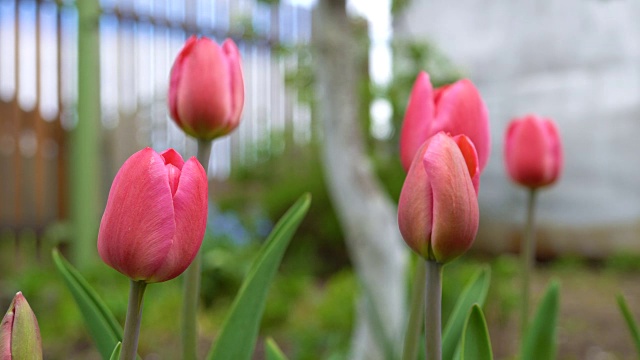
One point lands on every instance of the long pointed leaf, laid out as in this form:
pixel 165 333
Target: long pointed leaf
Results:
pixel 630 320
pixel 273 352
pixel 240 328
pixel 474 292
pixel 115 355
pixel 102 325
pixel 476 344
pixel 540 342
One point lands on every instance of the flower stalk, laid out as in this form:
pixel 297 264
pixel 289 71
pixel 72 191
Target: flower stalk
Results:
pixel 191 291
pixel 433 310
pixel 414 325
pixel 527 258
pixel 132 323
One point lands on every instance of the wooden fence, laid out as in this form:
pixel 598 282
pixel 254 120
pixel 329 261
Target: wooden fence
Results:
pixel 138 43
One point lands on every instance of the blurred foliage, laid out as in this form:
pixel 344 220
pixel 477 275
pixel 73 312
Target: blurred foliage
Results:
pixel 272 184
pixel 398 6
pixel 310 316
pixel 299 77
pixel 624 262
pixel 269 2
pixel 410 57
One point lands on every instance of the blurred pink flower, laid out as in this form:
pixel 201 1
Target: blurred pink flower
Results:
pixel 206 93
pixel 438 208
pixel 155 217
pixel 455 109
pixel 533 151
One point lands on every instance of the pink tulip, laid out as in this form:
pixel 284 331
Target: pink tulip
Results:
pixel 533 151
pixel 19 332
pixel 438 209
pixel 455 109
pixel 155 217
pixel 206 93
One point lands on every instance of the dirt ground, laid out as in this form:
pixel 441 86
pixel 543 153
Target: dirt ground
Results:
pixel 590 324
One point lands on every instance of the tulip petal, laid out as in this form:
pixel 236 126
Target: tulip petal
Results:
pixel 416 128
pixel 25 334
pixel 236 83
pixel 415 206
pixel 460 110
pixel 190 203
pixel 176 74
pixel 173 162
pixel 455 203
pixel 555 153
pixel 202 93
pixel 5 332
pixel 173 175
pixel 470 156
pixel 137 228
pixel 172 157
pixel 533 152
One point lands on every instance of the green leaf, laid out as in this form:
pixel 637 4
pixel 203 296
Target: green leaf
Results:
pixel 630 320
pixel 273 352
pixel 115 355
pixel 476 344
pixel 475 292
pixel 240 328
pixel 540 339
pixel 103 326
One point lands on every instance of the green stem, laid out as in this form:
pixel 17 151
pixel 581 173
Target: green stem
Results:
pixel 85 139
pixel 414 323
pixel 528 257
pixel 132 323
pixel 433 310
pixel 192 282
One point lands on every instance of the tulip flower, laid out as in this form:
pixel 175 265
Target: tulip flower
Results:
pixel 533 151
pixel 19 332
pixel 155 217
pixel 455 109
pixel 206 90
pixel 438 208
pixel 533 158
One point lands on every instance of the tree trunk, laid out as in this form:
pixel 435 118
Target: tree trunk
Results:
pixel 367 214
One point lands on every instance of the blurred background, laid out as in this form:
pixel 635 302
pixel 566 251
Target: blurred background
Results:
pixel 83 85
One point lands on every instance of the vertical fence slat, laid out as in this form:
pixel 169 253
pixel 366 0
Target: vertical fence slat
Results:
pixel 38 108
pixel 17 116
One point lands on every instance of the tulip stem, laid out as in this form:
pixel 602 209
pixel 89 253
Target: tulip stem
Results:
pixel 433 310
pixel 414 323
pixel 528 257
pixel 132 323
pixel 192 281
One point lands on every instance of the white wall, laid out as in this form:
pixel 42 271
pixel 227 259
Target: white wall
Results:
pixel 576 61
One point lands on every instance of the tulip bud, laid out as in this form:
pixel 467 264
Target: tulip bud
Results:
pixel 19 332
pixel 454 109
pixel 155 217
pixel 206 91
pixel 533 151
pixel 438 208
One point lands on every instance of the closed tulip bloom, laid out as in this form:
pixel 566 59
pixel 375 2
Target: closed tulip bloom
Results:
pixel 455 109
pixel 533 151
pixel 19 332
pixel 155 217
pixel 206 90
pixel 438 208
